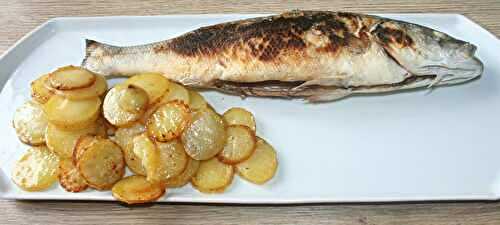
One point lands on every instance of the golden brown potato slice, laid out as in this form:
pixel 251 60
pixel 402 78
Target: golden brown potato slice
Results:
pixel 30 123
pixel 81 145
pixel 39 92
pixel 36 170
pixel 72 114
pixel 155 85
pixel 137 189
pixel 101 163
pixel 70 78
pixel 62 142
pixel 98 88
pixel 240 144
pixel 114 103
pixel 239 116
pixel 184 178
pixel 261 166
pixel 173 159
pixel 149 155
pixel 168 121
pixel 212 176
pixel 69 177
pixel 196 101
pixel 176 92
pixel 124 137
pixel 205 136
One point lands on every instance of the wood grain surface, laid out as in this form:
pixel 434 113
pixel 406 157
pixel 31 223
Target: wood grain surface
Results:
pixel 17 17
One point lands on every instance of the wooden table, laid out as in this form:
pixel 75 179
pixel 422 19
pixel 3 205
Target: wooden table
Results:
pixel 17 17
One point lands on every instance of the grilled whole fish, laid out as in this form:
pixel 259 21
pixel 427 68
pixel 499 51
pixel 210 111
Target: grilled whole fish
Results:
pixel 318 55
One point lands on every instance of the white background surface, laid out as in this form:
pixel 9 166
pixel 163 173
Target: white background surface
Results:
pixel 405 146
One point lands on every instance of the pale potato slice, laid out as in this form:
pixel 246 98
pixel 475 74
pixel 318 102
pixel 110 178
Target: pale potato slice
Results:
pixel 149 155
pixel 36 170
pixel 155 85
pixel 101 163
pixel 124 137
pixel 69 177
pixel 176 92
pixel 184 178
pixel 240 144
pixel 173 159
pixel 205 136
pixel 168 121
pixel 261 166
pixel 137 189
pixel 30 123
pixel 70 78
pixel 72 114
pixel 98 88
pixel 112 110
pixel 62 142
pixel 196 101
pixel 39 92
pixel 239 116
pixel 212 176
pixel 133 99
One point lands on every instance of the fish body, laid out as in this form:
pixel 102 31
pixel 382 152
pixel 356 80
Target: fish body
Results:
pixel 318 55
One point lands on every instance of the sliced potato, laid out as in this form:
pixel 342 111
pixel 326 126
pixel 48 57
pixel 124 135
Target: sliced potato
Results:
pixel 176 92
pixel 133 100
pixel 39 92
pixel 155 85
pixel 212 176
pixel 30 123
pixel 71 114
pixel 149 155
pixel 239 116
pixel 205 136
pixel 36 170
pixel 112 106
pixel 81 145
pixel 168 121
pixel 261 166
pixel 173 159
pixel 124 137
pixel 101 163
pixel 196 101
pixel 240 144
pixel 98 88
pixel 70 78
pixel 184 178
pixel 69 177
pixel 137 189
pixel 62 142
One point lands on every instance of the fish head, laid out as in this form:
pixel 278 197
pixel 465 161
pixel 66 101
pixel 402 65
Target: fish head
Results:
pixel 423 51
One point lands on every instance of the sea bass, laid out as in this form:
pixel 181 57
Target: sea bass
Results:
pixel 317 55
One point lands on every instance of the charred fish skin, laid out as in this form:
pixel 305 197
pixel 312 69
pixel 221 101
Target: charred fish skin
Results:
pixel 318 55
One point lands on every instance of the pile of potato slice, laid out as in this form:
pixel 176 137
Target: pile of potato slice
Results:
pixel 165 134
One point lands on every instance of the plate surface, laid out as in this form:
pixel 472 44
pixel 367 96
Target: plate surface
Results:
pixel 406 146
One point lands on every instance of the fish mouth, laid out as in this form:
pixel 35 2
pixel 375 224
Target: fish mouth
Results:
pixel 459 72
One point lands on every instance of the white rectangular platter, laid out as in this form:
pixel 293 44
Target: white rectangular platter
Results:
pixel 408 146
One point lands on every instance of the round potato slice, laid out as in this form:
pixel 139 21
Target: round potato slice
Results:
pixel 137 189
pixel 115 100
pixel 149 155
pixel 36 170
pixel 71 114
pixel 133 100
pixel 176 92
pixel 81 145
pixel 155 85
pixel 30 123
pixel 98 88
pixel 71 77
pixel 240 144
pixel 184 178
pixel 239 116
pixel 205 136
pixel 212 176
pixel 124 137
pixel 62 142
pixel 101 163
pixel 196 101
pixel 69 177
pixel 173 159
pixel 39 92
pixel 261 166
pixel 168 121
